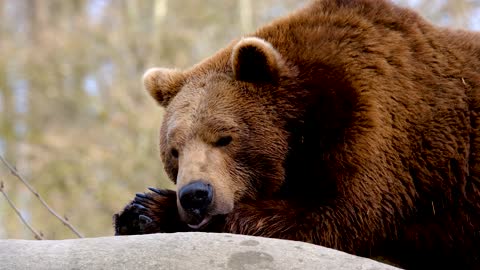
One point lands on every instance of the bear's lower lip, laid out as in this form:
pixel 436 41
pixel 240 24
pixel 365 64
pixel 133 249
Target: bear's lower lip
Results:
pixel 201 224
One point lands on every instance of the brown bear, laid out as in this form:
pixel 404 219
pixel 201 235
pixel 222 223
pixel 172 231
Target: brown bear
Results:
pixel 352 124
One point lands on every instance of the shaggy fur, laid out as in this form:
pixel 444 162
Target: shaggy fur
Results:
pixel 354 125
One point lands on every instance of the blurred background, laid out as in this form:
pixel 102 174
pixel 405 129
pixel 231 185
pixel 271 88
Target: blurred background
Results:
pixel 74 119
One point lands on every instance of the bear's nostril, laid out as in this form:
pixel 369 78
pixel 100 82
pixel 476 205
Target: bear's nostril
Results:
pixel 196 197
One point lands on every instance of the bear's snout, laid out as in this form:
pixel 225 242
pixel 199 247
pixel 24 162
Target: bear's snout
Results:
pixel 195 198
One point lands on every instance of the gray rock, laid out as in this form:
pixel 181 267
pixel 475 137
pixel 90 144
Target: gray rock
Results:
pixel 176 251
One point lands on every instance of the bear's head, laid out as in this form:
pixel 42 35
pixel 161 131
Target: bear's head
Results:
pixel 223 137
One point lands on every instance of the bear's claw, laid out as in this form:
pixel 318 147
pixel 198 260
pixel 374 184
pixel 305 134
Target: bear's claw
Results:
pixel 150 212
pixel 143 222
pixel 144 219
pixel 161 192
pixel 139 206
pixel 132 220
pixel 141 195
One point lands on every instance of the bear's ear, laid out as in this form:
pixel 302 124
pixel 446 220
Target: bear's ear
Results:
pixel 163 84
pixel 255 60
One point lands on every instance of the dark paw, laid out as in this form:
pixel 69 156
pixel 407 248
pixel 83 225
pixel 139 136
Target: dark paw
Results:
pixel 131 220
pixel 151 212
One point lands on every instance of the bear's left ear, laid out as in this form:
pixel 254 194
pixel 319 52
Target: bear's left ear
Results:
pixel 255 60
pixel 163 84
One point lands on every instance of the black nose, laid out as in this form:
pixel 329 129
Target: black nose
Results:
pixel 196 197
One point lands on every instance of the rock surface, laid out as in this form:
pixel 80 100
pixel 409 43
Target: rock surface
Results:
pixel 176 251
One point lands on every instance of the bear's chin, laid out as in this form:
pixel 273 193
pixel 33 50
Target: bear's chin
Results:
pixel 202 223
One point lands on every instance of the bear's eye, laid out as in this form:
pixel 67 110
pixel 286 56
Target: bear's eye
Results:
pixel 223 141
pixel 174 153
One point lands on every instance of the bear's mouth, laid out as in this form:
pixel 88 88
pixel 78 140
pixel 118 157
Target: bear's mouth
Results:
pixel 202 223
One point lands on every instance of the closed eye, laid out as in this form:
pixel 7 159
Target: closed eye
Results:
pixel 174 153
pixel 223 141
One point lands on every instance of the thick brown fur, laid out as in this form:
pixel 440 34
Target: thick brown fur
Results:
pixel 359 131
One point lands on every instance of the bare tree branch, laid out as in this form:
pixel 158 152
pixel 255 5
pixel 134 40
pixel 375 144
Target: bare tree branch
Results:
pixel 16 174
pixel 35 233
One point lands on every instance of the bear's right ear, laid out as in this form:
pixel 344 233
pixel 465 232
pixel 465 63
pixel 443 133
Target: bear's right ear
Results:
pixel 163 84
